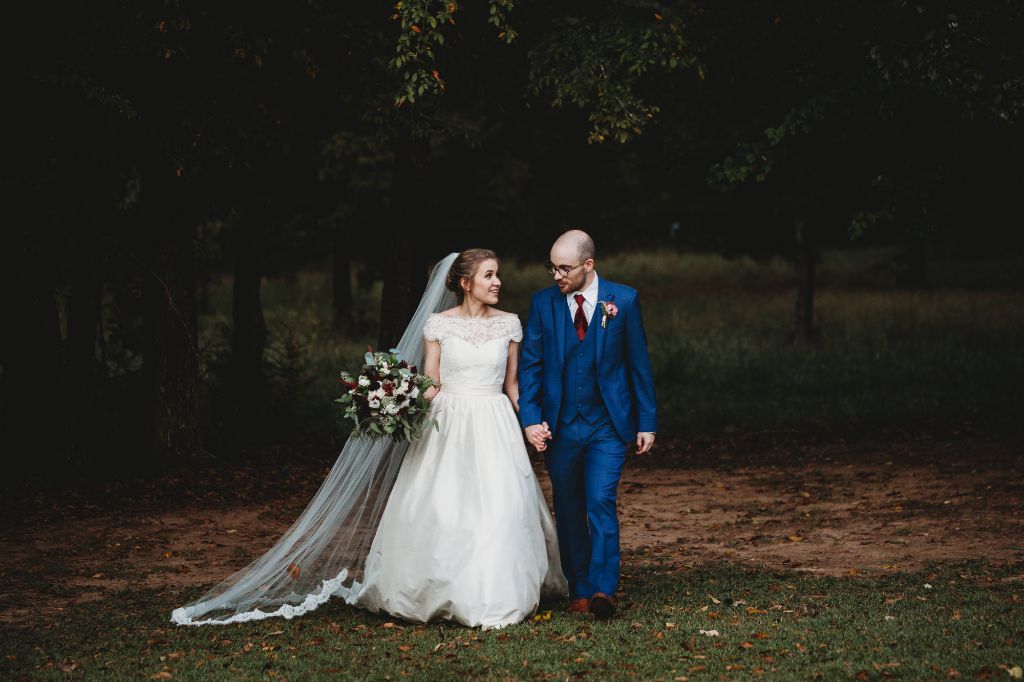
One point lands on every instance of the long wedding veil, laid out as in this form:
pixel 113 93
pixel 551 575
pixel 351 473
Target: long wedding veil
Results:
pixel 324 551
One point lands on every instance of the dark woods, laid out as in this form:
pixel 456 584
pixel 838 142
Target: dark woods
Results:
pixel 162 146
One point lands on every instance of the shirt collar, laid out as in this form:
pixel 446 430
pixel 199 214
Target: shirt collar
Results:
pixel 590 293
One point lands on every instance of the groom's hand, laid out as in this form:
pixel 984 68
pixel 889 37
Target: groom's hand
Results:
pixel 538 435
pixel 644 442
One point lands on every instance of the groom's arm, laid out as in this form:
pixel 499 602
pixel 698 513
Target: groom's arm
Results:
pixel 638 363
pixel 531 368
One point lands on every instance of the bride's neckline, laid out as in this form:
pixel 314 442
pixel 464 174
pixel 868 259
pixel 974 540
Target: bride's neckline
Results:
pixel 481 318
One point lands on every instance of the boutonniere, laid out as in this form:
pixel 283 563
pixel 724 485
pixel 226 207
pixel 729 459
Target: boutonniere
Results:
pixel 608 310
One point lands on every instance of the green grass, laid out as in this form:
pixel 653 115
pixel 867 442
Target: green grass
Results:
pixel 888 358
pixel 786 626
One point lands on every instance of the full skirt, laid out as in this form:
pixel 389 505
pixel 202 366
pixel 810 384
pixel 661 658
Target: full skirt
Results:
pixel 466 534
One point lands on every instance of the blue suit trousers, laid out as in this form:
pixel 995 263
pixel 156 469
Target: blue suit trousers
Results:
pixel 585 463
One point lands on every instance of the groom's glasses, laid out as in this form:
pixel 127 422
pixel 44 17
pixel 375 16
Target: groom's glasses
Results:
pixel 562 270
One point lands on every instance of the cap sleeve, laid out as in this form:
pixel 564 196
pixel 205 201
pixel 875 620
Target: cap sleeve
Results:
pixel 515 328
pixel 433 328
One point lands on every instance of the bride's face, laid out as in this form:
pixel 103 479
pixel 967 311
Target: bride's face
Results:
pixel 485 285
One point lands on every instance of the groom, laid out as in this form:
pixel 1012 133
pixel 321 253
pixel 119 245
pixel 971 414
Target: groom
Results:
pixel 585 384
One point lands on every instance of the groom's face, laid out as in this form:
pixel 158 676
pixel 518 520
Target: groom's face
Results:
pixel 569 257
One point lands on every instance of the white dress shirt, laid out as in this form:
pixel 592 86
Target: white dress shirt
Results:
pixel 590 294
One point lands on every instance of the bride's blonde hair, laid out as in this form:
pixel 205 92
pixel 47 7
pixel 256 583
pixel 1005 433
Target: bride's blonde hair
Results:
pixel 465 265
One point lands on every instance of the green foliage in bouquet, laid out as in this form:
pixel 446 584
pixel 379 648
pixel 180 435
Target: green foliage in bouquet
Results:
pixel 385 400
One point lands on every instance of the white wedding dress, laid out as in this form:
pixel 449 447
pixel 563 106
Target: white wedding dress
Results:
pixel 466 534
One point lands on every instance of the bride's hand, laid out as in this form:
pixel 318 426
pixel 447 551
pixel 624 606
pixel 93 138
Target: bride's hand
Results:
pixel 431 393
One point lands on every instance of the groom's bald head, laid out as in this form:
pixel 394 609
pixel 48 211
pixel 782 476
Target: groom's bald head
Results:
pixel 573 252
pixel 574 244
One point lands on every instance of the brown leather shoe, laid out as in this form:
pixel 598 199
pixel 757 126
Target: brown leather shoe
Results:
pixel 602 606
pixel 578 606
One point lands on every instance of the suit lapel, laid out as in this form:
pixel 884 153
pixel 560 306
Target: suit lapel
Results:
pixel 595 322
pixel 558 308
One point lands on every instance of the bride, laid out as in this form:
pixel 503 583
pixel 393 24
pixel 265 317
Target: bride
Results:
pixel 454 526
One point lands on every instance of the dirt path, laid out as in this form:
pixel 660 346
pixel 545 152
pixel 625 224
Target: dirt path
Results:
pixel 828 509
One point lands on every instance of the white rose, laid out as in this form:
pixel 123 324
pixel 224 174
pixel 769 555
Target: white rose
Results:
pixel 363 381
pixel 414 392
pixel 374 403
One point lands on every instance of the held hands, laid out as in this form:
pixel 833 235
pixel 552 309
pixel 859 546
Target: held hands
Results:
pixel 644 442
pixel 538 435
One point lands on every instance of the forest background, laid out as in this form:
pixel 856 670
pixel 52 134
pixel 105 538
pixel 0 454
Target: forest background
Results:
pixel 220 207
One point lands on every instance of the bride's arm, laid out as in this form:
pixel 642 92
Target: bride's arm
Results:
pixel 432 366
pixel 512 374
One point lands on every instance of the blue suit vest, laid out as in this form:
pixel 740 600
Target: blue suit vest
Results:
pixel 582 395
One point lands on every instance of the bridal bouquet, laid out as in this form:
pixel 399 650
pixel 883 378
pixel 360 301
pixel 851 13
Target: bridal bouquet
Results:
pixel 385 400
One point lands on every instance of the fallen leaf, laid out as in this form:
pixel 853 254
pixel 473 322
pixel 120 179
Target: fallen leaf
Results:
pixel 68 667
pixel 795 538
pixel 713 600
pixel 162 675
pixel 709 633
pixel 405 647
pixel 1016 672
pixel 760 635
pixel 670 626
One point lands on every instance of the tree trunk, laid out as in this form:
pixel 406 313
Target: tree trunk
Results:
pixel 83 325
pixel 341 284
pixel 917 260
pixel 30 358
pixel 804 330
pixel 171 349
pixel 403 274
pixel 247 390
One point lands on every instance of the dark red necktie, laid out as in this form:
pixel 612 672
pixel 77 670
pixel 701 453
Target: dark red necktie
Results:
pixel 580 319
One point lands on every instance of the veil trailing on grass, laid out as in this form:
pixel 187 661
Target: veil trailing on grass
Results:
pixel 323 553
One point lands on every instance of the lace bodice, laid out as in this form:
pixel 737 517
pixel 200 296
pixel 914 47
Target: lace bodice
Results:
pixel 474 351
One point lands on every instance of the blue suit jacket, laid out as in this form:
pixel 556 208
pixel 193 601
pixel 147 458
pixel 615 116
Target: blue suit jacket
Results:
pixel 624 367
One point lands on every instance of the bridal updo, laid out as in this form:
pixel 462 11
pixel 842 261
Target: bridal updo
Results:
pixel 466 265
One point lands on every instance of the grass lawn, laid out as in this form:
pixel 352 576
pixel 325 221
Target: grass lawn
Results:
pixel 957 620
